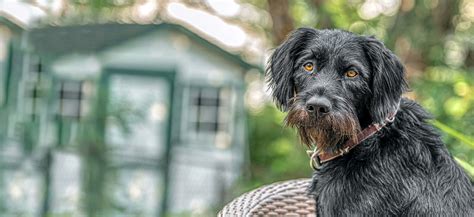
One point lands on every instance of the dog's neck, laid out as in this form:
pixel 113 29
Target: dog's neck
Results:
pixel 317 156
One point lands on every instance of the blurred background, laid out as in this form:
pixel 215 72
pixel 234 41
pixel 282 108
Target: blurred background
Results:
pixel 160 107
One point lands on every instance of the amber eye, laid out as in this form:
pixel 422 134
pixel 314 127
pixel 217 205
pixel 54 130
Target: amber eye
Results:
pixel 351 73
pixel 308 67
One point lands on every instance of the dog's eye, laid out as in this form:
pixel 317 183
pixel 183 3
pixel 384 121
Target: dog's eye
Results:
pixel 351 74
pixel 308 67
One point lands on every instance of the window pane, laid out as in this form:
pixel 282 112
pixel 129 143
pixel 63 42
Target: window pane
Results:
pixel 71 95
pixel 71 86
pixel 70 108
pixel 71 99
pixel 209 102
pixel 208 127
pixel 208 114
pixel 35 68
pixel 194 96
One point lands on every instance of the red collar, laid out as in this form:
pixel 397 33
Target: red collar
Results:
pixel 317 157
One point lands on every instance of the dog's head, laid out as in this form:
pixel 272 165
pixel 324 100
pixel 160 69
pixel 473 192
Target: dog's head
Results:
pixel 332 83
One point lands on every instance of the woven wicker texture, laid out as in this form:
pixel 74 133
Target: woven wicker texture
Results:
pixel 288 198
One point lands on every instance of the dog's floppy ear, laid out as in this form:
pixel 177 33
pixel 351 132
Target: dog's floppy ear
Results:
pixel 280 66
pixel 388 82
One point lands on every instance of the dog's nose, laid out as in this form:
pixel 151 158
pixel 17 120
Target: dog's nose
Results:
pixel 318 105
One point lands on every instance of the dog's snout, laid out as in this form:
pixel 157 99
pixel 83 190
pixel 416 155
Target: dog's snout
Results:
pixel 318 105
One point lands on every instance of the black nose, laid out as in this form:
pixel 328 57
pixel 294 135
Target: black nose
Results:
pixel 318 105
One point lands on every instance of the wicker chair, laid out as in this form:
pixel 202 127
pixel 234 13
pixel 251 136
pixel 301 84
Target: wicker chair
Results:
pixel 288 198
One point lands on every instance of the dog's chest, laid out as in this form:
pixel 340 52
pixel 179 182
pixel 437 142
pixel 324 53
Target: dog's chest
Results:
pixel 337 194
pixel 343 192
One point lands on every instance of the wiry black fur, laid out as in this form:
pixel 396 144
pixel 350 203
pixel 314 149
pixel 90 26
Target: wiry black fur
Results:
pixel 404 169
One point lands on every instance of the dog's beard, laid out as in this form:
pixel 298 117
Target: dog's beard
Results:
pixel 328 132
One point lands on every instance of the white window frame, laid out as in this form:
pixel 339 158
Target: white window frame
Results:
pixel 75 96
pixel 224 117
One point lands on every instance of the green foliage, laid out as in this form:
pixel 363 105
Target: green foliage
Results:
pixel 454 133
pixel 466 166
pixel 446 92
pixel 276 153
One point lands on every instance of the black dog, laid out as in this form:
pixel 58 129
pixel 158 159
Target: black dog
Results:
pixel 380 157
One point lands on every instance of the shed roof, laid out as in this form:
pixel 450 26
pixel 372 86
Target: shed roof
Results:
pixel 59 40
pixel 10 23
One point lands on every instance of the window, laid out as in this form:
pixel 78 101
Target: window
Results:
pixel 71 98
pixel 33 88
pixel 209 110
pixel 71 107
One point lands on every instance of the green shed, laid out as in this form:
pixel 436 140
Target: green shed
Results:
pixel 118 120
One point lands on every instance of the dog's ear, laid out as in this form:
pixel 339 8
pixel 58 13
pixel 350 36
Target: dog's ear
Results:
pixel 388 82
pixel 280 66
